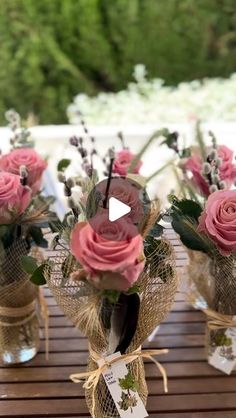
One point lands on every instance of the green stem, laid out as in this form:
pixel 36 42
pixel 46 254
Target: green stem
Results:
pixel 157 172
pixel 161 132
pixel 200 140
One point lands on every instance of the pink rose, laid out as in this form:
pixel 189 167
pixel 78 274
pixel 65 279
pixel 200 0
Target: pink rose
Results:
pixel 218 220
pixel 227 168
pixel 194 165
pixel 127 193
pixel 111 264
pixel 14 198
pixel 29 158
pixel 123 161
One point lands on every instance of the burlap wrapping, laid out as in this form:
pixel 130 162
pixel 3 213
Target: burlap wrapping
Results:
pixel 19 327
pixel 212 281
pixel 82 306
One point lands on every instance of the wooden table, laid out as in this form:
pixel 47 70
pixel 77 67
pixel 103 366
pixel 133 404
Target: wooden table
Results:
pixel 196 390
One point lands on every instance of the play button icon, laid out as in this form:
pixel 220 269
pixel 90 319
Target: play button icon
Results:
pixel 115 205
pixel 117 209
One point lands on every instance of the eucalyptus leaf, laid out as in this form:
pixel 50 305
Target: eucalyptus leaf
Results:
pixel 190 237
pixel 38 277
pixel 3 230
pixel 134 289
pixel 156 231
pixel 67 268
pixel 188 208
pixel 63 164
pixel 37 236
pixel 29 264
pixel 111 295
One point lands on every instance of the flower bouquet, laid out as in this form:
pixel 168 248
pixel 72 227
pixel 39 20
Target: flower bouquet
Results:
pixel 202 169
pixel 23 214
pixel 114 280
pixel 209 233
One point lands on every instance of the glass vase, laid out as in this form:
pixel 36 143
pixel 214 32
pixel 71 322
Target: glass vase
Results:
pixel 19 325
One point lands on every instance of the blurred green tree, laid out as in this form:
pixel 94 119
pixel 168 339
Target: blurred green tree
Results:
pixel 53 49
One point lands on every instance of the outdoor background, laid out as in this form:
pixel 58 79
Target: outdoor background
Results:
pixel 52 50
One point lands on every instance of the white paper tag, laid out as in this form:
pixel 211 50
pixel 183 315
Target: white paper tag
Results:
pixel 224 356
pixel 117 378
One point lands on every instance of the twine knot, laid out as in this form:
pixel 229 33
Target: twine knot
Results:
pixel 92 377
pixel 216 320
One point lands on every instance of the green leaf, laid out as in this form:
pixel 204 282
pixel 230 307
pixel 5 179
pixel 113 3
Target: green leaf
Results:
pixel 156 231
pixel 3 230
pixel 63 164
pixel 67 267
pixel 111 295
pixel 151 245
pixel 38 277
pixel 190 237
pixel 29 264
pixel 186 153
pixel 49 200
pixel 56 225
pixel 165 272
pixel 188 208
pixel 134 289
pixel 37 236
pixel 54 242
pixel 128 383
pixel 200 141
pixel 171 140
pixel 161 132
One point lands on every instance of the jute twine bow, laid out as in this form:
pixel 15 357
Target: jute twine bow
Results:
pixel 94 376
pixel 28 312
pixel 216 320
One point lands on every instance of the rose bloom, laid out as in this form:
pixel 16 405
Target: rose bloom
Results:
pixel 218 220
pixel 29 158
pixel 122 163
pixel 14 198
pixel 127 193
pixel 227 170
pixel 111 264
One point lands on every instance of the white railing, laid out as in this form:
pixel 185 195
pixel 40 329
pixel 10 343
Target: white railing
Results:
pixel 53 141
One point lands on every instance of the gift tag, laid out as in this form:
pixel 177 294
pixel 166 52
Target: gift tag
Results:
pixel 123 389
pixel 224 356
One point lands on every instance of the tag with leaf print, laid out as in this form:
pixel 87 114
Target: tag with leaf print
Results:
pixel 123 389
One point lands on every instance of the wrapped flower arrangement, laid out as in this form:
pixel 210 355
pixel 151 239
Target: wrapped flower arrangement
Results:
pixel 209 234
pixel 23 214
pixel 202 169
pixel 115 280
